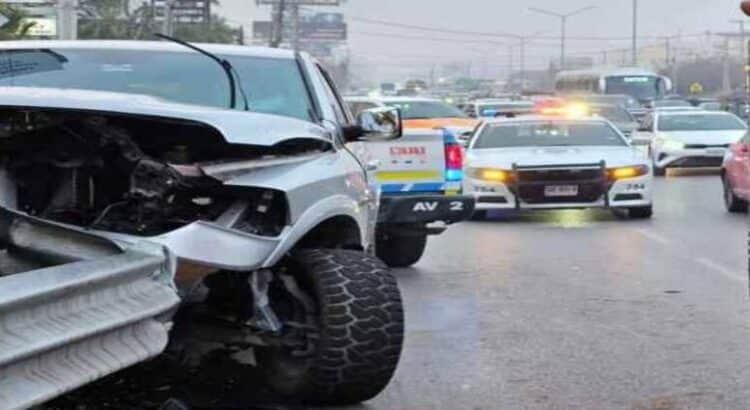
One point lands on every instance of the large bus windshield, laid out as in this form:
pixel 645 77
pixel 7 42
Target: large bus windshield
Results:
pixel 642 87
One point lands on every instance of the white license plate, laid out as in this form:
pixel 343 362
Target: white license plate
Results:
pixel 560 190
pixel 717 152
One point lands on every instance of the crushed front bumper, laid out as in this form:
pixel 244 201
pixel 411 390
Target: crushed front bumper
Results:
pixel 75 307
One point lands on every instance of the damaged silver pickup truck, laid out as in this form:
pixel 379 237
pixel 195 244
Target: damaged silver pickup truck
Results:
pixel 211 200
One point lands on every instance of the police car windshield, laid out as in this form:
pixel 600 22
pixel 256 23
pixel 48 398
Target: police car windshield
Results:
pixel 547 134
pixel 700 122
pixel 624 100
pixel 614 113
pixel 671 103
pixel 412 110
pixel 492 110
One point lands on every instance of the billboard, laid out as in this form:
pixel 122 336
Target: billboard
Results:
pixel 316 27
pixel 184 11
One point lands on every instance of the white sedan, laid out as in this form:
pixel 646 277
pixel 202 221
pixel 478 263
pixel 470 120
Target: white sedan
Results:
pixel 691 138
pixel 556 163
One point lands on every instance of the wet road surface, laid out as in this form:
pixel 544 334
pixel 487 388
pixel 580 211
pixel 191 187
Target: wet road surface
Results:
pixel 559 310
pixel 582 310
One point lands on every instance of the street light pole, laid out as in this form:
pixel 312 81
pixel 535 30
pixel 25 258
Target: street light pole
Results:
pixel 564 25
pixel 563 22
pixel 635 33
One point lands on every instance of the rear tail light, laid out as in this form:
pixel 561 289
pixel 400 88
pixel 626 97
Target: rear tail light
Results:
pixel 454 162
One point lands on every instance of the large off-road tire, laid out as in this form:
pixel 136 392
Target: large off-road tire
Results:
pixel 733 203
pixel 361 329
pixel 400 251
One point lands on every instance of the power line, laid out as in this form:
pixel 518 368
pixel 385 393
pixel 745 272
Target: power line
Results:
pixel 502 34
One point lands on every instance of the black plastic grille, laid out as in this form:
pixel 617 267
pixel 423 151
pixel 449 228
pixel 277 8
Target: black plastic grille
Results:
pixel 587 192
pixel 559 175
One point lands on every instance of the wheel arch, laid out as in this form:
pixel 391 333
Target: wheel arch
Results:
pixel 337 221
pixel 337 232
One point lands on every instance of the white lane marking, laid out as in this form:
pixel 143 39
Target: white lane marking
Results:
pixel 653 236
pixel 722 270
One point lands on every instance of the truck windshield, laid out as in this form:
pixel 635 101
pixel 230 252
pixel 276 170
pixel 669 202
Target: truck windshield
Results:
pixel 548 134
pixel 641 87
pixel 272 85
pixel 412 110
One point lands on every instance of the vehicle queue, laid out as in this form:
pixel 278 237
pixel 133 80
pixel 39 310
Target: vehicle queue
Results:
pixel 597 143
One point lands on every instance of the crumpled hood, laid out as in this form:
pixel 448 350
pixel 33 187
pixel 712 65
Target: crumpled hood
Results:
pixel 504 158
pixel 237 127
pixel 704 137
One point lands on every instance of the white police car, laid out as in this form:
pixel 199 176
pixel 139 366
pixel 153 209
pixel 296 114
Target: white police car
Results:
pixel 556 162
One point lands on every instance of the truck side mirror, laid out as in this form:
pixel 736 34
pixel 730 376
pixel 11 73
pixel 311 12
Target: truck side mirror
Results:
pixel 376 124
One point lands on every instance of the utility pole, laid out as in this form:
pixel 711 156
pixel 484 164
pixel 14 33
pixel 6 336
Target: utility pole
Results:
pixel 67 16
pixel 726 85
pixel 635 33
pixel 168 23
pixel 563 23
pixel 743 51
pixel 523 64
pixel 295 26
pixel 277 34
pixel 510 64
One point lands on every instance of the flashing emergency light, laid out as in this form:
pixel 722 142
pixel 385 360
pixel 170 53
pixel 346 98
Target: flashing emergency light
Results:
pixel 453 162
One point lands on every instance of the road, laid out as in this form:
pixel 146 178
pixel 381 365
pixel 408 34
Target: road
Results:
pixel 582 310
pixel 559 310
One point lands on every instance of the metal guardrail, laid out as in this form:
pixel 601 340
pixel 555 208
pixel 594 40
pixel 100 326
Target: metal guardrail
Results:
pixel 99 309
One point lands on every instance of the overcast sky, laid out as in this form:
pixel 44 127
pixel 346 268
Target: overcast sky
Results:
pixel 610 18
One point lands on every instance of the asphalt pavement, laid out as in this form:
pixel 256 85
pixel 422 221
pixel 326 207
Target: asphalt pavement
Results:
pixel 552 310
pixel 582 310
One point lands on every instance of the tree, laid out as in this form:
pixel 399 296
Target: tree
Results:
pixel 216 31
pixel 16 28
pixel 113 19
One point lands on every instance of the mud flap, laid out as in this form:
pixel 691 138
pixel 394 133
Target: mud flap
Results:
pixel 75 307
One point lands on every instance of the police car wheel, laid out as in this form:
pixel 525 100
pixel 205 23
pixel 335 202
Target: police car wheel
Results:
pixel 400 251
pixel 659 171
pixel 641 212
pixel 479 216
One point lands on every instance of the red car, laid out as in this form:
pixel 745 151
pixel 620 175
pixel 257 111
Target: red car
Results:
pixel 735 174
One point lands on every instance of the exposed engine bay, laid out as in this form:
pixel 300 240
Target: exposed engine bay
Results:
pixel 130 174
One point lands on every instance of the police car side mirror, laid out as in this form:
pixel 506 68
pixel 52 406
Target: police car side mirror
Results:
pixel 464 138
pixel 376 124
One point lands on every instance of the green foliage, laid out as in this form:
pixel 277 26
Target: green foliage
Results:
pixel 112 19
pixel 15 28
pixel 217 31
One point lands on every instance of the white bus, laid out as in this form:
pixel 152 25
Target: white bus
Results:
pixel 639 83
